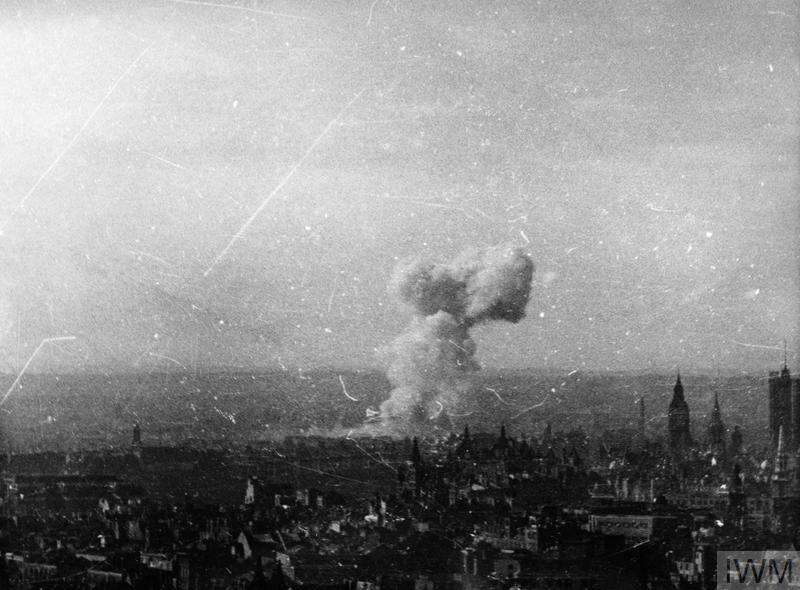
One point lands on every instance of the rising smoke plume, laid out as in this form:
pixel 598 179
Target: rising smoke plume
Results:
pixel 432 361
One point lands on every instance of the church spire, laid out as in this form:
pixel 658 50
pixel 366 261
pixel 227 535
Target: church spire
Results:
pixel 716 428
pixel 678 420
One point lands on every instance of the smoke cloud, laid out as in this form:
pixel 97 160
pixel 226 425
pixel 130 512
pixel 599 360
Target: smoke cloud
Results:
pixel 432 361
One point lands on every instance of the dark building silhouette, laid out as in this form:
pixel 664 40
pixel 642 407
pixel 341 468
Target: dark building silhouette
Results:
pixel 780 406
pixel 716 429
pixel 785 507
pixel 680 437
pixel 737 501
pixel 780 472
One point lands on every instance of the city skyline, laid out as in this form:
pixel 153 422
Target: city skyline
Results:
pixel 193 184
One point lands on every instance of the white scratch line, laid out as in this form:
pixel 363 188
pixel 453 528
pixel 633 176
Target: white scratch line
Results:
pixel 441 409
pixel 283 181
pixel 428 204
pixel 756 345
pixel 522 233
pixel 363 450
pixel 77 135
pixel 659 417
pixel 333 292
pixel 483 214
pixel 30 360
pixel 533 407
pixel 497 395
pixel 226 416
pixel 169 358
pixel 371 8
pixel 458 346
pixel 242 8
pixel 137 37
pixel 661 210
pixel 344 390
pixel 160 159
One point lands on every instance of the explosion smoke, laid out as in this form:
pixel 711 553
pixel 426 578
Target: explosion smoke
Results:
pixel 432 361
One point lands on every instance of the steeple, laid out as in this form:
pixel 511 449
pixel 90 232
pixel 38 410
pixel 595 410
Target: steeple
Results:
pixel 678 389
pixel 503 439
pixel 678 420
pixel 716 428
pixel 501 445
pixel 416 456
pixel 781 405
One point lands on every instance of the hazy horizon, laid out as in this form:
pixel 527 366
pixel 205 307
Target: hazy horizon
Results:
pixel 552 371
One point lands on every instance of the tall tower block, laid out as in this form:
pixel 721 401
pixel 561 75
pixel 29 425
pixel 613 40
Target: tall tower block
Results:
pixel 680 437
pixel 794 433
pixel 780 406
pixel 716 428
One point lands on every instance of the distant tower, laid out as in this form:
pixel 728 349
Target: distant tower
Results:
pixel 716 429
pixel 501 444
pixel 780 484
pixel 680 437
pixel 796 414
pixel 780 404
pixel 780 474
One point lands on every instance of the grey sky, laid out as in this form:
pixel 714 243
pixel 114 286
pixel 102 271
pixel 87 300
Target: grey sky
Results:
pixel 645 153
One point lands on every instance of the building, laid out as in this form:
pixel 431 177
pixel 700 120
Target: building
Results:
pixel 680 437
pixel 715 432
pixel 780 405
pixel 634 528
pixel 785 504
